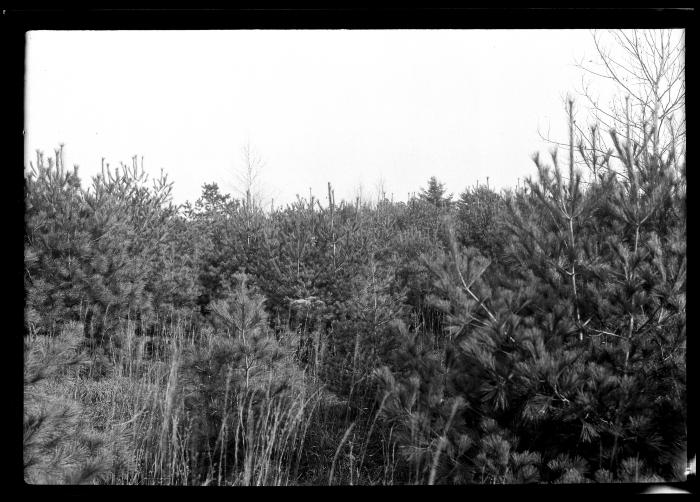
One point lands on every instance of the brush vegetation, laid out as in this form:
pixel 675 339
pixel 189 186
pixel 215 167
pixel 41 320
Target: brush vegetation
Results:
pixel 533 335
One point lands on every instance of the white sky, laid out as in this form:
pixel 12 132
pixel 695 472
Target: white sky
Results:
pixel 343 106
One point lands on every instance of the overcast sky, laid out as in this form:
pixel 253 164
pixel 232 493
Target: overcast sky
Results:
pixel 345 106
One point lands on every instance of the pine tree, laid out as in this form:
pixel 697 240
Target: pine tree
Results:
pixel 89 252
pixel 607 278
pixel 480 220
pixel 363 339
pixel 230 379
pixel 127 223
pixel 54 239
pixel 580 330
pixel 59 445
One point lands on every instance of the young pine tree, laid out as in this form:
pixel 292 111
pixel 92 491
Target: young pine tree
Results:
pixel 232 378
pixel 59 444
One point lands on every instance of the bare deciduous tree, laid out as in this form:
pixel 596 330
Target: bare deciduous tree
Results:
pixel 645 69
pixel 380 188
pixel 248 177
pixel 359 194
pixel 644 72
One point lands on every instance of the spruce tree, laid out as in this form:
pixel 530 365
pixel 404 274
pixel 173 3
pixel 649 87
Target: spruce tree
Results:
pixel 435 193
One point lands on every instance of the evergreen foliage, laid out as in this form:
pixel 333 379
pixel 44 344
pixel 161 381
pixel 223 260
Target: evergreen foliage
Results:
pixel 480 220
pixel 89 252
pixel 535 335
pixel 228 383
pixel 60 446
pixel 581 330
pixel 435 193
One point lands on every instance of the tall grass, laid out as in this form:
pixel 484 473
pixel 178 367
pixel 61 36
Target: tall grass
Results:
pixel 136 399
pixel 250 448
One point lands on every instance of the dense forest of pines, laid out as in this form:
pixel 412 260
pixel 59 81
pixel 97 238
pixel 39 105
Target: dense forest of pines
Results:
pixel 528 335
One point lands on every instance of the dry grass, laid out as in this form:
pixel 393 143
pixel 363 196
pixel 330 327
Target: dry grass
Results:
pixel 137 404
